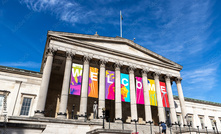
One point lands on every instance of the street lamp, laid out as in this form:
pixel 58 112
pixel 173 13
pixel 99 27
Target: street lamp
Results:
pixel 179 124
pixel 198 129
pixel 135 124
pixel 216 126
pixel 206 130
pixel 72 112
pixel 150 125
pixel 214 130
pixel 103 111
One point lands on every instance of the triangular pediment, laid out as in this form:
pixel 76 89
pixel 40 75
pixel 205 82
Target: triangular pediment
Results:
pixel 118 45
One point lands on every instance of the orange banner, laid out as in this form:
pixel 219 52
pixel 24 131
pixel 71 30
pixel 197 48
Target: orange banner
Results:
pixel 93 83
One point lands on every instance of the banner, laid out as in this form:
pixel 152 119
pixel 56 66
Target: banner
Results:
pixel 164 95
pixel 139 87
pixel 152 92
pixel 125 87
pixel 76 79
pixel 93 83
pixel 110 85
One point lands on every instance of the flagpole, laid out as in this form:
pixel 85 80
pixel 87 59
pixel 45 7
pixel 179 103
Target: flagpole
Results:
pixel 120 24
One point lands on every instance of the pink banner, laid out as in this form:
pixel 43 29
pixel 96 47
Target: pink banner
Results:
pixel 139 87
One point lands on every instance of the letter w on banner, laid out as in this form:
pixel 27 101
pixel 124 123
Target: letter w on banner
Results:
pixel 164 95
pixel 93 83
pixel 76 78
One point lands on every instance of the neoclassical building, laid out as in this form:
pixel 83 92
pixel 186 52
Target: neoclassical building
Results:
pixel 84 77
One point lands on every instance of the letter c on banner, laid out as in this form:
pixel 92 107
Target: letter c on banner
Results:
pixel 123 80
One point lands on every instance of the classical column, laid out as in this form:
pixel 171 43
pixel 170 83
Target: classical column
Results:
pixel 84 89
pixel 133 104
pixel 171 101
pixel 44 84
pixel 101 99
pixel 118 106
pixel 148 114
pixel 65 86
pixel 160 107
pixel 181 98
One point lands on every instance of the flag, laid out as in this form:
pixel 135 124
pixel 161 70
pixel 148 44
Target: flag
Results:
pixel 121 17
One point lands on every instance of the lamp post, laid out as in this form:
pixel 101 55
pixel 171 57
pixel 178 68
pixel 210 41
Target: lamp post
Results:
pixel 206 130
pixel 198 129
pixel 72 112
pixel 150 125
pixel 85 116
pixel 108 121
pixel 175 124
pixel 179 124
pixel 103 111
pixel 214 130
pixel 216 126
pixel 188 125
pixel 135 124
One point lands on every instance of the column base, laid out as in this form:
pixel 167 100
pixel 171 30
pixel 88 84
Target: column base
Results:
pixel 118 120
pixel 61 115
pixel 39 113
pixel 82 118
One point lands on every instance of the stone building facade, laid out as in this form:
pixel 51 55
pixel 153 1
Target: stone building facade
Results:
pixel 44 97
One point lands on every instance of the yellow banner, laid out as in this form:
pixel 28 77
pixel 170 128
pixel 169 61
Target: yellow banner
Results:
pixel 152 92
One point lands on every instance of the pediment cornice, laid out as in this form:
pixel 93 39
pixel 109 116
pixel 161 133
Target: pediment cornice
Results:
pixel 77 39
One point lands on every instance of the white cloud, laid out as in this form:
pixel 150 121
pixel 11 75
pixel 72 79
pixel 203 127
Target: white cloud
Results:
pixel 202 79
pixel 70 11
pixel 28 64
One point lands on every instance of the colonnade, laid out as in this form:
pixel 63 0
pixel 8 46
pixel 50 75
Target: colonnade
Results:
pixel 101 99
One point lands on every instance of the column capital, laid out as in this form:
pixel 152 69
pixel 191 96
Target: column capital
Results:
pixel 178 79
pixel 87 58
pixel 117 65
pixel 131 68
pixel 103 61
pixel 168 76
pixel 156 74
pixel 145 70
pixel 69 54
pixel 51 51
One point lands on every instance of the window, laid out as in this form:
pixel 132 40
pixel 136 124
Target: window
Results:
pixel 201 122
pixel 1 103
pixel 190 120
pixel 179 118
pixel 212 123
pixel 25 106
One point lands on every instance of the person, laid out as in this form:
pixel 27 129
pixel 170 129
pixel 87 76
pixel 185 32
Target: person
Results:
pixel 164 128
pixel 95 110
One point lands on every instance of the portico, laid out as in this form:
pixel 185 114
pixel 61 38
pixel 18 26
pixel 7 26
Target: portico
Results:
pixel 104 53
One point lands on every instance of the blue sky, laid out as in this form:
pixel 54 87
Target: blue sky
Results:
pixel 185 31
